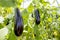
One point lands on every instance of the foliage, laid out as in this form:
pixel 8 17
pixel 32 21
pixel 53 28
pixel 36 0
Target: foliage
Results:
pixel 49 27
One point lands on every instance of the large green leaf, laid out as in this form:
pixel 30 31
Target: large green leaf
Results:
pixel 7 3
pixel 3 33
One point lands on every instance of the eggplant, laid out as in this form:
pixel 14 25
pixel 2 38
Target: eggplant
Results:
pixel 37 16
pixel 18 29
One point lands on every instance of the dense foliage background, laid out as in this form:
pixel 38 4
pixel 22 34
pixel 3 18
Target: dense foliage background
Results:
pixel 48 29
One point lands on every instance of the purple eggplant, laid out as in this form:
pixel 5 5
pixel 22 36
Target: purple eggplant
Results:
pixel 18 29
pixel 37 16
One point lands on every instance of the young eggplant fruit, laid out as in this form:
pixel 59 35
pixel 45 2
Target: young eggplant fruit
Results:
pixel 37 16
pixel 18 29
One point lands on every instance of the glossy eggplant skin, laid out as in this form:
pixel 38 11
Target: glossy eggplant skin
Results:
pixel 18 29
pixel 37 16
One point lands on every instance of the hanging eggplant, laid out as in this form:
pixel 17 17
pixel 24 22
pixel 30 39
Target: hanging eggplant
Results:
pixel 37 16
pixel 18 29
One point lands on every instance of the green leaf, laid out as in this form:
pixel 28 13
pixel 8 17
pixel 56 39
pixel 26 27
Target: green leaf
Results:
pixel 7 3
pixel 3 33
